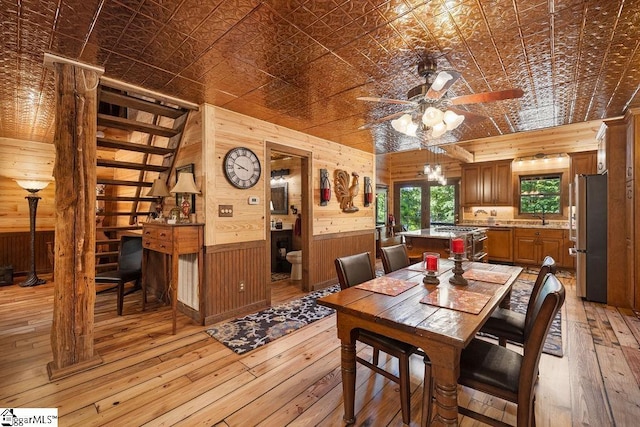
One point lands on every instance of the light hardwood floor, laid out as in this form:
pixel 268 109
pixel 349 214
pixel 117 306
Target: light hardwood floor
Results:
pixel 150 377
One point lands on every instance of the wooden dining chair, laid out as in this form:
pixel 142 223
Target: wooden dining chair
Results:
pixel 509 325
pixel 505 373
pixel 394 258
pixel 353 270
pixel 129 268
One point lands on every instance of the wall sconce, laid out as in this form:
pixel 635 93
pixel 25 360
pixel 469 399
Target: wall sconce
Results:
pixel 186 186
pixel 160 191
pixel 368 191
pixel 279 174
pixel 32 186
pixel 325 187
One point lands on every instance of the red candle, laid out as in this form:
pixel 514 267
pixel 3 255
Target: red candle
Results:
pixel 432 263
pixel 457 245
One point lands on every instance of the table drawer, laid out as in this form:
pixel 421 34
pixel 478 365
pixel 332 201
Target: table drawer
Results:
pixel 158 245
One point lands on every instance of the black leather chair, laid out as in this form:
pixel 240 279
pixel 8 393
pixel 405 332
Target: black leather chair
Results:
pixel 129 268
pixel 507 374
pixel 394 258
pixel 353 270
pixel 510 325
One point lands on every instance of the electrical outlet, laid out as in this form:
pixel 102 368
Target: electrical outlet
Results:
pixel 241 287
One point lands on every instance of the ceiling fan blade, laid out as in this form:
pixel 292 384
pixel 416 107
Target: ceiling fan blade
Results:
pixel 386 100
pixel 384 119
pixel 487 96
pixel 444 80
pixel 468 115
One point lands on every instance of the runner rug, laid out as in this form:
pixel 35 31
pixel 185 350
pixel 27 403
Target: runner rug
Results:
pixel 254 330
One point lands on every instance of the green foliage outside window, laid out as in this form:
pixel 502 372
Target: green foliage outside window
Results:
pixel 381 206
pixel 442 204
pixel 411 207
pixel 540 194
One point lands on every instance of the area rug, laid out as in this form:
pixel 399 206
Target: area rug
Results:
pixel 276 277
pixel 519 300
pixel 254 330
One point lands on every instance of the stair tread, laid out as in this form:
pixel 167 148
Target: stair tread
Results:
pixel 126 199
pixel 132 146
pixel 124 182
pixel 129 101
pixel 134 125
pixel 130 165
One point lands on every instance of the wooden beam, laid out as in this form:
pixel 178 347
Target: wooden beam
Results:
pixel 75 234
pixel 458 153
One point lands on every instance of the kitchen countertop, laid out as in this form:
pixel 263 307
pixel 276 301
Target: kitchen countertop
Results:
pixel 427 233
pixel 556 225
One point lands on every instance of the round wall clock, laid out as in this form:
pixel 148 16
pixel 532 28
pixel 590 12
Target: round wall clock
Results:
pixel 242 167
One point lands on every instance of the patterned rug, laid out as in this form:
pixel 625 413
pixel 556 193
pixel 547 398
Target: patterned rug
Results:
pixel 519 300
pixel 275 277
pixel 254 330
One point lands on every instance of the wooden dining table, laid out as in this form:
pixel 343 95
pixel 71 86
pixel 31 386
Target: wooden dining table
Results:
pixel 439 319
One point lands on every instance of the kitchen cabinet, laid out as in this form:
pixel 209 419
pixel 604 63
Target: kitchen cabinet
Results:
pixel 487 184
pixel 500 246
pixel 584 163
pixel 531 245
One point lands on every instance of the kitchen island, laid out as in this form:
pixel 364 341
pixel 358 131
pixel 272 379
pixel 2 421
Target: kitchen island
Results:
pixel 437 239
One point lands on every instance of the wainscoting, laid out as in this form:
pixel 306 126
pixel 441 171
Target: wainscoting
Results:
pixel 14 251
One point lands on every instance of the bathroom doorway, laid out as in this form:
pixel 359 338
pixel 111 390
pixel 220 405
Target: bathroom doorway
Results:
pixel 288 214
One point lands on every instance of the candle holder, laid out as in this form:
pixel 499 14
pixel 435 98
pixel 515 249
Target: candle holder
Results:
pixel 458 247
pixel 431 262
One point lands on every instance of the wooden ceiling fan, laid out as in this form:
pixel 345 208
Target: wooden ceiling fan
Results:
pixel 431 94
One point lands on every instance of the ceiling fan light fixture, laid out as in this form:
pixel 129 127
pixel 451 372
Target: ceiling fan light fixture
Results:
pixel 441 80
pixel 452 120
pixel 438 130
pixel 411 129
pixel 432 116
pixel 402 123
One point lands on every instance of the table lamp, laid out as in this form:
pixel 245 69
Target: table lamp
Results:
pixel 186 186
pixel 32 186
pixel 160 191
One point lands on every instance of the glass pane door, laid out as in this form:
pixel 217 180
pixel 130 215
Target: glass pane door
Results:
pixel 411 208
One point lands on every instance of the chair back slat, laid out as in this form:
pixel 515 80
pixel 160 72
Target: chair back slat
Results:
pixel 354 269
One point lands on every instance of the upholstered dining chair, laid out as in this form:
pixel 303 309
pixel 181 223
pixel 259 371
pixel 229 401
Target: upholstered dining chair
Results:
pixel 505 373
pixel 129 268
pixel 394 257
pixel 353 270
pixel 509 325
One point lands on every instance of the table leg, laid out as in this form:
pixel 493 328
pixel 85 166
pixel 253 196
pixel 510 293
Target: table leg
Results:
pixel 446 396
pixel 348 363
pixel 174 288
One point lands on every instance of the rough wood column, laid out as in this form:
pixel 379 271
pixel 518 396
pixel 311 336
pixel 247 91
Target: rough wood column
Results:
pixel 75 175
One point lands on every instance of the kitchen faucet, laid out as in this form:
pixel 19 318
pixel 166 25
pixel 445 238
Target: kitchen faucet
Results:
pixel 544 222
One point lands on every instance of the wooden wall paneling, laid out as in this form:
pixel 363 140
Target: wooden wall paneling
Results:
pixel 226 266
pixel 325 249
pixel 14 251
pixel 14 209
pixel 191 151
pixel 383 169
pixel 26 159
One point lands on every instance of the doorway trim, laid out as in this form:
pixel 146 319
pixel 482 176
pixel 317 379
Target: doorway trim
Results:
pixel 306 205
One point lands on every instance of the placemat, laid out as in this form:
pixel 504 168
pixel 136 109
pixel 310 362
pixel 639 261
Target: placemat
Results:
pixel 457 299
pixel 386 286
pixel 486 276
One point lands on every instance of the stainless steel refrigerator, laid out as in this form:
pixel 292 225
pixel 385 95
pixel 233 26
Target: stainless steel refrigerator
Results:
pixel 588 229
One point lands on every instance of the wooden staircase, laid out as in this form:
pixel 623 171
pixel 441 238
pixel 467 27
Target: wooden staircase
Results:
pixel 139 134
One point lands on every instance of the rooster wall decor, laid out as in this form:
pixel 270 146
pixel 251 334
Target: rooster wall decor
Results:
pixel 345 193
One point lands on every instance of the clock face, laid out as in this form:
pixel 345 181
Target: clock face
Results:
pixel 242 167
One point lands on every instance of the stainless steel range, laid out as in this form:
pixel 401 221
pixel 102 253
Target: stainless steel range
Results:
pixel 476 241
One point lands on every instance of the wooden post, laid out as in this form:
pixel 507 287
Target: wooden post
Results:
pixel 75 175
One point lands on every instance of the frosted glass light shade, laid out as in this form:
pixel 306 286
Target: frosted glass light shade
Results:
pixel 411 129
pixel 400 124
pixel 438 130
pixel 32 185
pixel 432 116
pixel 452 120
pixel 185 184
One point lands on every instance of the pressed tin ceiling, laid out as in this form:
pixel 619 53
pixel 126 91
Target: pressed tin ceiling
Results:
pixel 302 63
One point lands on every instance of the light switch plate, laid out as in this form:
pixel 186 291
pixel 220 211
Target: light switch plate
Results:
pixel 225 210
pixel 254 200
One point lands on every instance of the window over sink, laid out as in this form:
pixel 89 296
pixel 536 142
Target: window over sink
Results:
pixel 540 194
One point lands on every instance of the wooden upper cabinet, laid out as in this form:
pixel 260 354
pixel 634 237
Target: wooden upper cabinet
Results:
pixel 470 185
pixel 583 163
pixel 487 184
pixel 633 135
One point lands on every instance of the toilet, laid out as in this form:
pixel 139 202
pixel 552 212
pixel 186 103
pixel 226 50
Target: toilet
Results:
pixel 295 258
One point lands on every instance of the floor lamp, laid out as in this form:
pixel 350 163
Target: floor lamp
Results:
pixel 32 186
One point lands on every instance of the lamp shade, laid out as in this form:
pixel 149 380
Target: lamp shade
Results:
pixel 159 189
pixel 452 119
pixel 400 124
pixel 432 116
pixel 185 184
pixel 438 130
pixel 32 185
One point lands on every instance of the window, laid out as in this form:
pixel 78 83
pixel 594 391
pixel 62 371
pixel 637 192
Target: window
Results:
pixel 381 205
pixel 540 194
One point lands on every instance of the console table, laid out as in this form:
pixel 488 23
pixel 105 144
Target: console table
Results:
pixel 173 240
